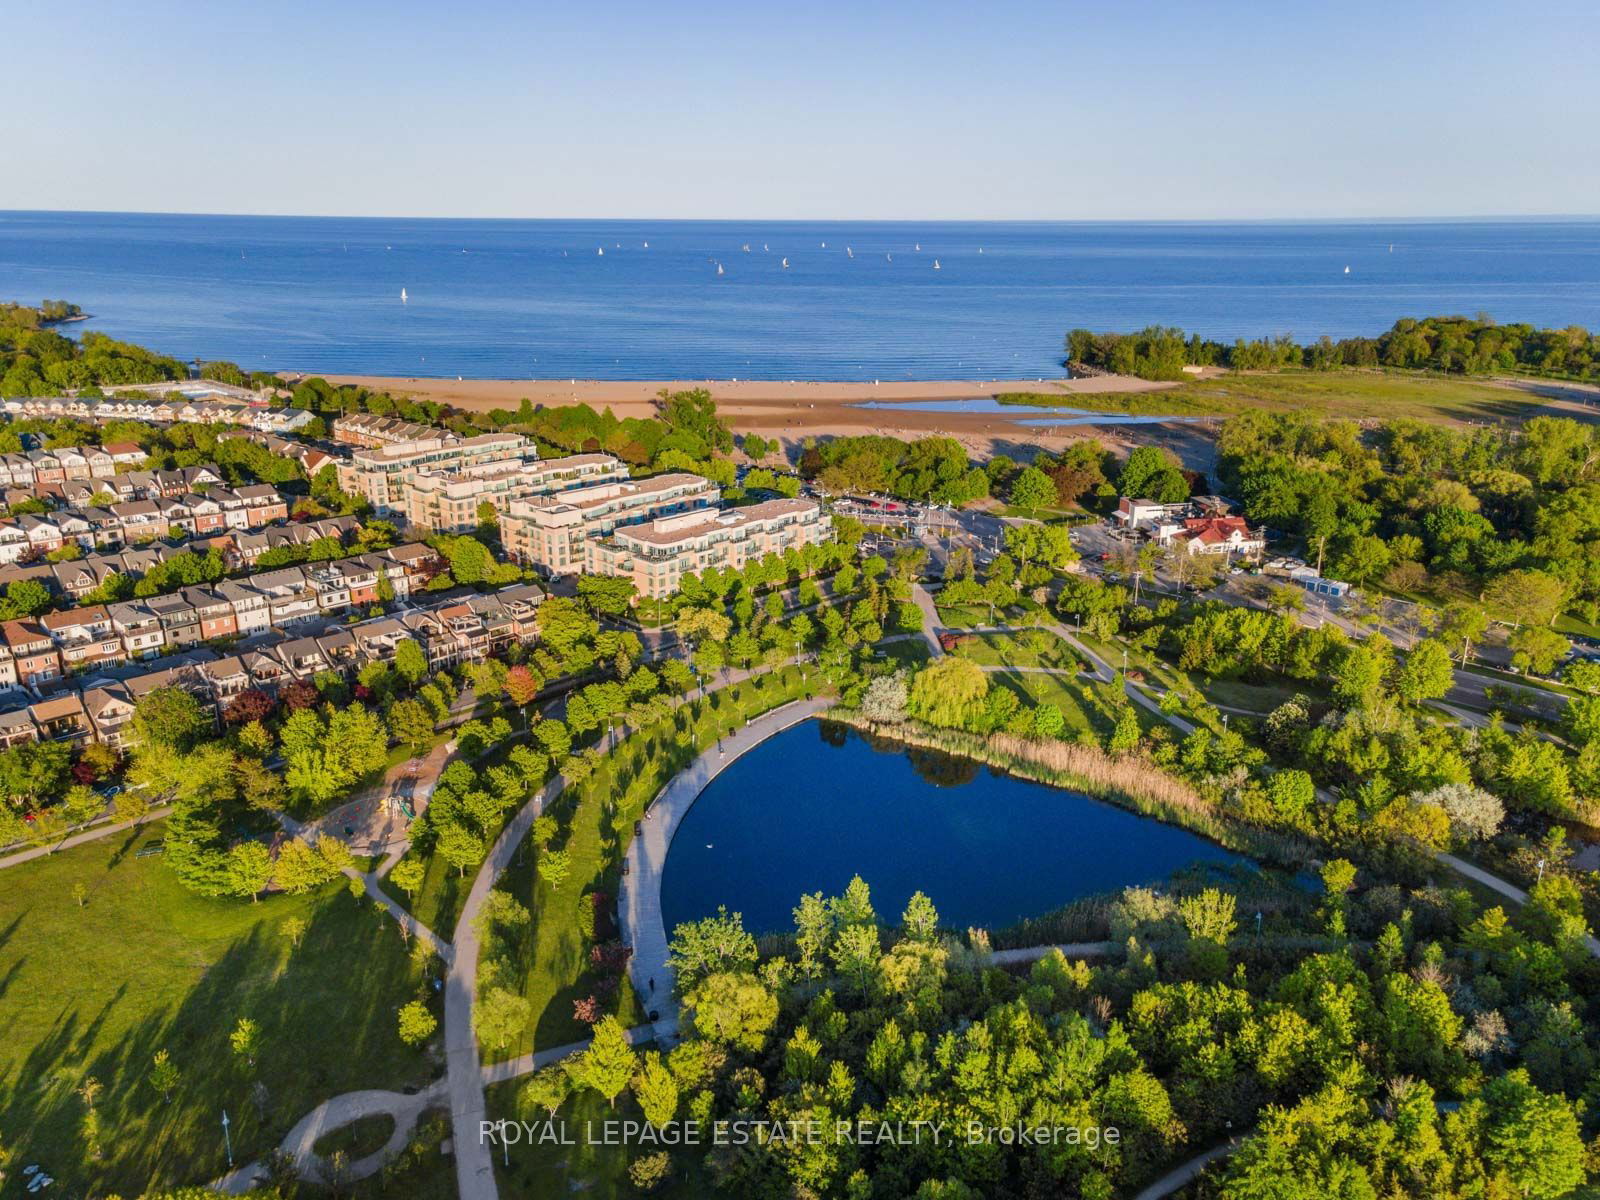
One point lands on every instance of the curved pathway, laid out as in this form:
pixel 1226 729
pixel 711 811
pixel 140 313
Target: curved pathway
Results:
pixel 639 896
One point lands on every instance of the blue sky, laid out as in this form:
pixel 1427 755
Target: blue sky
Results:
pixel 1020 110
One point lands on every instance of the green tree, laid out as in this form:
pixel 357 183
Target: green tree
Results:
pixel 170 717
pixel 409 661
pixel 1426 674
pixel 708 946
pixel 417 1024
pixel 1032 488
pixel 656 1090
pixel 734 1008
pixel 245 1040
pixel 499 1016
pixel 164 1075
pixel 547 1089
pixel 411 723
pixel 249 869
pixel 609 1063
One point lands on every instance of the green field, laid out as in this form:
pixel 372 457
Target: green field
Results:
pixel 1033 648
pixel 1354 394
pixel 143 966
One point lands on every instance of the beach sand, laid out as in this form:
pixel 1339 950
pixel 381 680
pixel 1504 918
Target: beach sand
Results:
pixel 794 411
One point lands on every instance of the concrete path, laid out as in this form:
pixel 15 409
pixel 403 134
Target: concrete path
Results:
pixel 464 1068
pixel 334 1114
pixel 79 839
pixel 639 896
pixel 1186 1173
pixel 930 617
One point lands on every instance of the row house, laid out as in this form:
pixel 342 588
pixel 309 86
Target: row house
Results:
pixel 370 429
pixel 139 627
pixel 110 710
pixel 248 547
pixel 68 463
pixel 290 596
pixel 32 652
pixel 84 636
pixel 456 629
pixel 218 406
pixel 311 458
pixel 61 718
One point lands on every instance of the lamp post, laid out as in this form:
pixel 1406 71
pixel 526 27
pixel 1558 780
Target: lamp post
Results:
pixel 227 1138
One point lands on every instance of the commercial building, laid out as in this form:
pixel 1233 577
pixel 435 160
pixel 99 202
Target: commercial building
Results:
pixel 657 554
pixel 553 532
pixel 383 474
pixel 447 501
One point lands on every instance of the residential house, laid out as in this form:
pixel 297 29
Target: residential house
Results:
pixel 84 636
pixel 139 627
pixel 33 650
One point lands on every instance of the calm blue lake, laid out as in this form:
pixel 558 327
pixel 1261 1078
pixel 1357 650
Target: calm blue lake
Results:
pixel 536 299
pixel 816 804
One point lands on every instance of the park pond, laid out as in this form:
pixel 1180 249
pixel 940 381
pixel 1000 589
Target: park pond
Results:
pixel 818 803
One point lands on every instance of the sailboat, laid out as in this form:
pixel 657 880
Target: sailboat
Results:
pixel 980 249
pixel 936 264
pixel 849 253
pixel 786 264
pixel 890 257
pixel 647 245
pixel 601 251
pixel 402 295
pixel 745 247
pixel 719 268
pixel 824 245
pixel 1347 270
pixel 764 246
pixel 918 246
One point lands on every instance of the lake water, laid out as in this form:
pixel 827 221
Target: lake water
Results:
pixel 816 804
pixel 536 299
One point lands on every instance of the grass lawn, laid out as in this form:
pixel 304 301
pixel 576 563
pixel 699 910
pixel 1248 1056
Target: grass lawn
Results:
pixel 1035 648
pixel 1576 627
pixel 593 1171
pixel 358 1139
pixel 597 816
pixel 1087 705
pixel 144 966
pixel 961 616
pixel 1352 393
pixel 912 652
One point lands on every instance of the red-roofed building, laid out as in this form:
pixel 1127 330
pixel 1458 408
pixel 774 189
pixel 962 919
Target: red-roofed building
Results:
pixel 1222 535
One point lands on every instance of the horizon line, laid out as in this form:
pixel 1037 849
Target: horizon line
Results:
pixel 1460 218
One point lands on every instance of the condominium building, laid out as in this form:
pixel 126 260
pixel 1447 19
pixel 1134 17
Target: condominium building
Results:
pixel 658 553
pixel 447 501
pixel 552 532
pixel 383 474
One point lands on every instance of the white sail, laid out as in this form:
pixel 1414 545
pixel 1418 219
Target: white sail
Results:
pixel 402 295
pixel 601 251
pixel 936 264
pixel 786 264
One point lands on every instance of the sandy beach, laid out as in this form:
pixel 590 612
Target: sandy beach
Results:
pixel 796 410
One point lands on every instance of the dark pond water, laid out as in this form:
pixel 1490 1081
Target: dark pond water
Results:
pixel 811 807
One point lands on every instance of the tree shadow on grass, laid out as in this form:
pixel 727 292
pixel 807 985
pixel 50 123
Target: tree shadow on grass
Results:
pixel 327 1025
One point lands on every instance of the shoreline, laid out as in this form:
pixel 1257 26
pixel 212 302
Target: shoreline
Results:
pixel 796 410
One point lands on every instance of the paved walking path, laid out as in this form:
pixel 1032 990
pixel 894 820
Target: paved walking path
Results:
pixel 639 898
pixel 1186 1173
pixel 930 618
pixel 78 839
